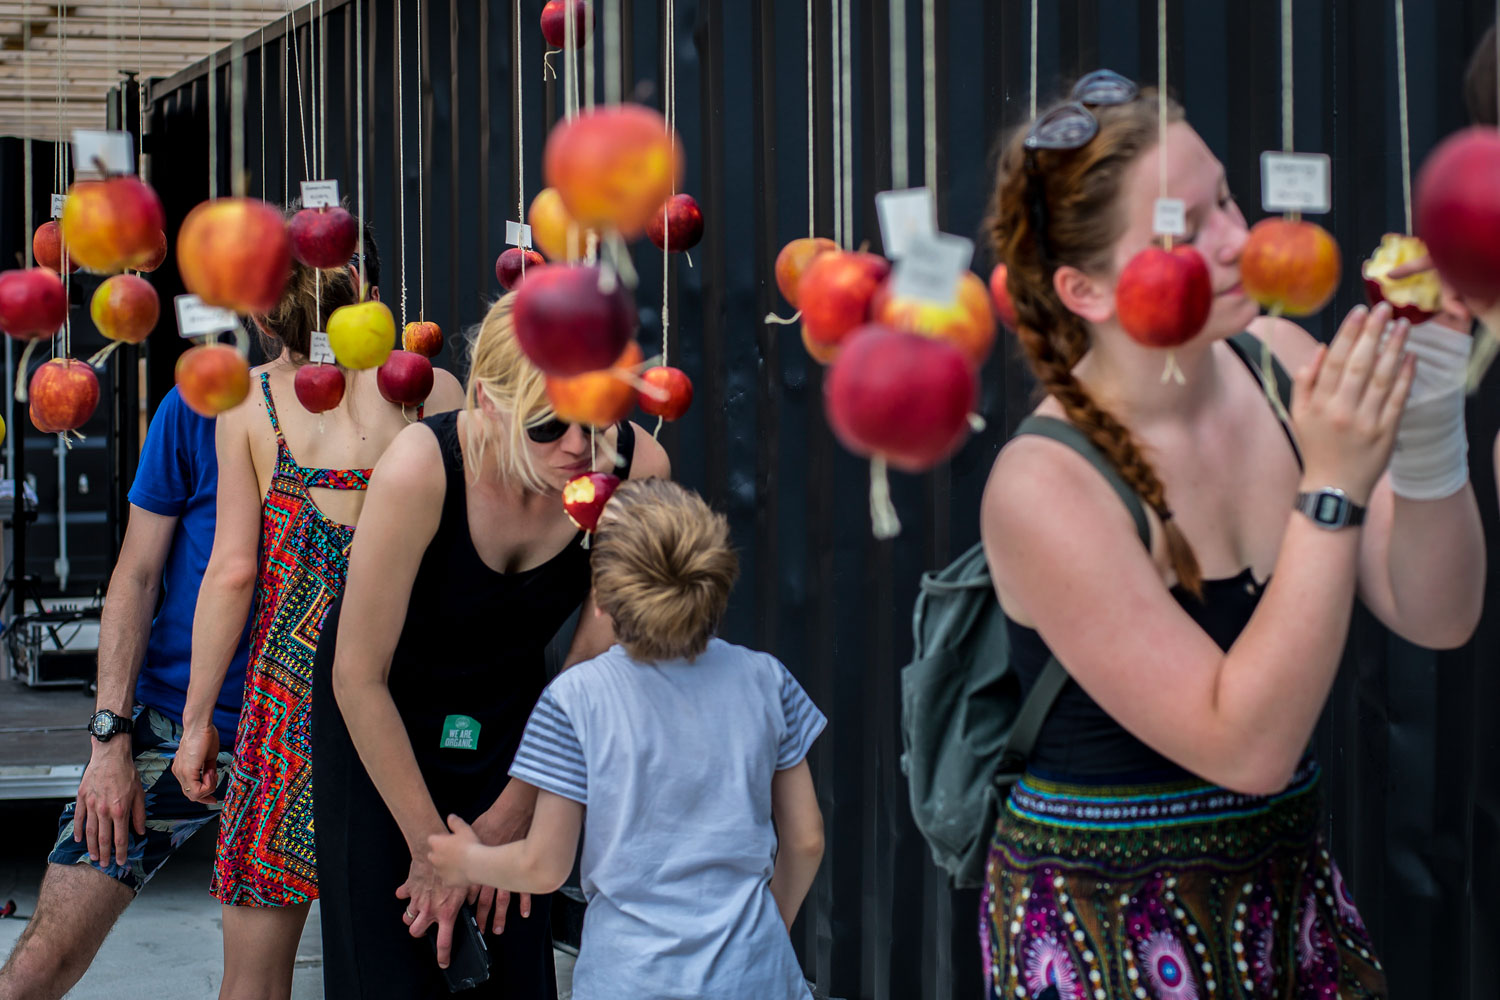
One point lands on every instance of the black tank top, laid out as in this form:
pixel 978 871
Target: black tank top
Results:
pixel 1080 739
pixel 474 641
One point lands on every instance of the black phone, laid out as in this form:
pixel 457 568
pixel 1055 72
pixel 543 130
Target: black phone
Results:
pixel 469 957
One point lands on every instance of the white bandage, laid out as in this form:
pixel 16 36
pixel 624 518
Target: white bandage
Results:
pixel 1431 460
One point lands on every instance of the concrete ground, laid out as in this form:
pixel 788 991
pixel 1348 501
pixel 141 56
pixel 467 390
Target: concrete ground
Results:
pixel 174 921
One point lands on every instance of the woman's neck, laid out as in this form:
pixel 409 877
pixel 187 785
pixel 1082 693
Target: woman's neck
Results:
pixel 1135 383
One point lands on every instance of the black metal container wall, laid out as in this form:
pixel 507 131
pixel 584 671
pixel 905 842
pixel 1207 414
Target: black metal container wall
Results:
pixel 1408 741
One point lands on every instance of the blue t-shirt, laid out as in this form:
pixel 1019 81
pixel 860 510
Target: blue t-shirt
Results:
pixel 674 761
pixel 178 477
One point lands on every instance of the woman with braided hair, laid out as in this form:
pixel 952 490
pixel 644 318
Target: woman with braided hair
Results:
pixel 1166 839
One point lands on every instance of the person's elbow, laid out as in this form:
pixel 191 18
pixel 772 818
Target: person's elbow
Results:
pixel 805 840
pixel 236 574
pixel 549 867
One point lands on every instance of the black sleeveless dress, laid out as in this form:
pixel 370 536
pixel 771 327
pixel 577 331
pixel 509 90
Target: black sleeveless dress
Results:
pixel 465 675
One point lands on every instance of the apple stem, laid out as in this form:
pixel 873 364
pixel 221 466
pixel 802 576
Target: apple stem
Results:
pixel 548 72
pixel 883 516
pixel 1172 371
pixel 21 371
pixel 976 423
pixel 773 319
pixel 689 258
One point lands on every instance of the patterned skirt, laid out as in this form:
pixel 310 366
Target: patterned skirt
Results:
pixel 1182 891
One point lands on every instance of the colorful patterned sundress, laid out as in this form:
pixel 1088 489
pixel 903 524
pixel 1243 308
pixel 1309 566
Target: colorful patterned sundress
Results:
pixel 1170 891
pixel 265 855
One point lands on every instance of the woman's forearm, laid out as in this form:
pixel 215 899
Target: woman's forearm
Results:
pixel 1436 567
pixel 219 618
pixel 380 737
pixel 793 877
pixel 515 867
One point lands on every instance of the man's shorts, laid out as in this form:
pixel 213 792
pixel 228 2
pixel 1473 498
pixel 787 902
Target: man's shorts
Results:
pixel 171 817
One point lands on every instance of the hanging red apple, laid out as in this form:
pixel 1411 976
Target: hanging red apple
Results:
pixel 324 238
pixel 423 337
pixel 567 324
pixel 63 394
pixel 46 247
pixel 405 379
pixel 1163 296
pixel 823 354
pixel 677 224
pixel 555 27
pixel 212 378
pixel 613 166
pixel 125 308
pixel 793 261
pixel 597 398
pixel 319 387
pixel 1416 298
pixel 1000 293
pixel 967 322
pixel 40 422
pixel 111 225
pixel 584 498
pixel 900 396
pixel 1290 266
pixel 158 256
pixel 509 267
pixel 835 293
pixel 235 253
pixel 677 386
pixel 33 303
pixel 1458 211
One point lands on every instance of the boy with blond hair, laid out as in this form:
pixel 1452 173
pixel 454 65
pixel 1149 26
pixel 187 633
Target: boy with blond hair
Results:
pixel 703 830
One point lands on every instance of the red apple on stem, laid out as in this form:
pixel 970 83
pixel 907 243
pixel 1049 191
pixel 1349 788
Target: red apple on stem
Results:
pixel 1163 297
pixel 836 292
pixel 125 308
pixel 158 256
pixel 46 247
pixel 33 303
pixel 677 386
pixel 555 28
pixel 63 394
pixel 597 398
pixel 613 166
pixel 113 224
pixel 235 253
pixel 405 379
pixel 509 270
pixel 584 498
pixel 319 387
pixel 212 378
pixel 567 324
pixel 677 224
pixel 1291 267
pixel 422 337
pixel 793 261
pixel 1458 211
pixel 324 238
pixel 967 322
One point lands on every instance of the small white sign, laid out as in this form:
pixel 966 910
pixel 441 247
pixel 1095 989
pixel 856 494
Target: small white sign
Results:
pixel 517 234
pixel 99 154
pixel 57 205
pixel 904 216
pixel 1169 217
pixel 319 350
pixel 932 266
pixel 194 319
pixel 320 194
pixel 1295 182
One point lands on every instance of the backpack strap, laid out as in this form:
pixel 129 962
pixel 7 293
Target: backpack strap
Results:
pixel 1250 350
pixel 1049 685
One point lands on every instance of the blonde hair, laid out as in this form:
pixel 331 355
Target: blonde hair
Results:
pixel 663 568
pixel 500 370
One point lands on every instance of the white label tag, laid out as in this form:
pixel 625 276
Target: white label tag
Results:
pixel 931 267
pixel 904 216
pixel 97 153
pixel 320 194
pixel 194 319
pixel 1295 182
pixel 319 351
pixel 517 235
pixel 1169 217
pixel 57 205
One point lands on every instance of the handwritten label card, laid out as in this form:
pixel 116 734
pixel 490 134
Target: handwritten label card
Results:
pixel 1295 182
pixel 1169 217
pixel 904 216
pixel 194 319
pixel 98 153
pixel 57 205
pixel 320 194
pixel 517 234
pixel 319 351
pixel 931 267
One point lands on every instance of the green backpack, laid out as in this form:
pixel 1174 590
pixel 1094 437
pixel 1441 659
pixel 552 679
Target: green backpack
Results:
pixel 965 729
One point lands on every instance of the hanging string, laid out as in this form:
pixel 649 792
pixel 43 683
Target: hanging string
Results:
pixel 570 74
pixel 612 53
pixel 213 121
pixel 812 176
pixel 30 217
pixel 1286 76
pixel 588 65
pixel 359 128
pixel 846 64
pixel 421 159
pixel 312 88
pixel 262 114
pixel 1161 98
pixel 301 114
pixel 1032 90
pixel 67 272
pixel 1405 124
pixel 238 181
pixel 322 111
pixel 929 95
pixel 899 140
pixel 670 100
pixel 520 140
pixel 286 108
pixel 838 146
pixel 401 159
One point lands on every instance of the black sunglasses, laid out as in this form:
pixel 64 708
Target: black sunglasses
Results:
pixel 550 430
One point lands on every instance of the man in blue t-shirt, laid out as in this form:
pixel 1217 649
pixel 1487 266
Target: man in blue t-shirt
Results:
pixel 131 815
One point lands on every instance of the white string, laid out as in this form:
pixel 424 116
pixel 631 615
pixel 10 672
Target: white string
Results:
pixel 301 116
pixel 838 147
pixel 359 127
pixel 62 95
pixel 812 219
pixel 1286 76
pixel 213 119
pixel 401 159
pixel 929 95
pixel 30 218
pixel 312 87
pixel 140 97
pixel 588 66
pixel 570 69
pixel 262 114
pixel 899 140
pixel 1161 97
pixel 846 64
pixel 1405 124
pixel 670 99
pixel 322 112
pixel 237 178
pixel 520 140
pixel 612 54
pixel 286 108
pixel 421 159
pixel 1032 90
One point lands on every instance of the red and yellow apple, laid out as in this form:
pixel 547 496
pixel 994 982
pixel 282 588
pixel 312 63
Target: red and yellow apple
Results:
pixel 550 225
pixel 613 166
pixel 125 308
pixel 235 253
pixel 823 354
pixel 677 386
pixel 835 293
pixel 158 256
pixel 33 303
pixel 422 337
pixel 1290 266
pixel 1000 294
pixel 567 324
pixel 1163 297
pixel 677 224
pixel 1458 211
pixel 966 322
pixel 212 378
pixel 405 379
pixel 46 247
pixel 319 387
pixel 324 238
pixel 39 422
pixel 514 264
pixel 361 335
pixel 584 498
pixel 1416 298
pixel 793 260
pixel 62 394
pixel 596 398
pixel 111 225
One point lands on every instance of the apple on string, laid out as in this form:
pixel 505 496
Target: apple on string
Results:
pixel 835 295
pixel 899 399
pixel 614 166
pixel 324 238
pixel 791 263
pixel 111 225
pixel 597 398
pixel 319 387
pixel 509 269
pixel 584 498
pixel 553 229
pixel 158 256
pixel 555 28
pixel 967 322
pixel 676 392
pixel 361 334
pixel 1163 298
pixel 1005 308
pixel 1416 298
pixel 1457 211
pixel 125 309
pixel 212 378
pixel 235 253
pixel 422 337
pixel 33 303
pixel 677 224
pixel 46 247
pixel 64 393
pixel 405 379
pixel 571 319
pixel 1290 266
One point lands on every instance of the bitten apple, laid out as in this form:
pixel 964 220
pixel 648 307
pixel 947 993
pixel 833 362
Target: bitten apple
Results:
pixel 1416 298
pixel 584 498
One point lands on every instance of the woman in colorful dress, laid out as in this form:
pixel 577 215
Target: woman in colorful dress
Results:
pixel 1166 839
pixel 465 568
pixel 291 485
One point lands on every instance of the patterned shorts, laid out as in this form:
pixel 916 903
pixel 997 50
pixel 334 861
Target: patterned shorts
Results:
pixel 171 818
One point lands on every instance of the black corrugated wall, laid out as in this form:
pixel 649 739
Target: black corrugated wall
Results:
pixel 1409 741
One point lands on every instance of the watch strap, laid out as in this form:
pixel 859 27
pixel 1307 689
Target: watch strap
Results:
pixel 1308 503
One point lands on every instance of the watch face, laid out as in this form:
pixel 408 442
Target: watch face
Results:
pixel 1329 508
pixel 102 724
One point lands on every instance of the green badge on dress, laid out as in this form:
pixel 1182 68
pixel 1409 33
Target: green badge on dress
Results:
pixel 460 733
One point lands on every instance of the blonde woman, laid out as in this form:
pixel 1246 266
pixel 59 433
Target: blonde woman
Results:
pixel 466 567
